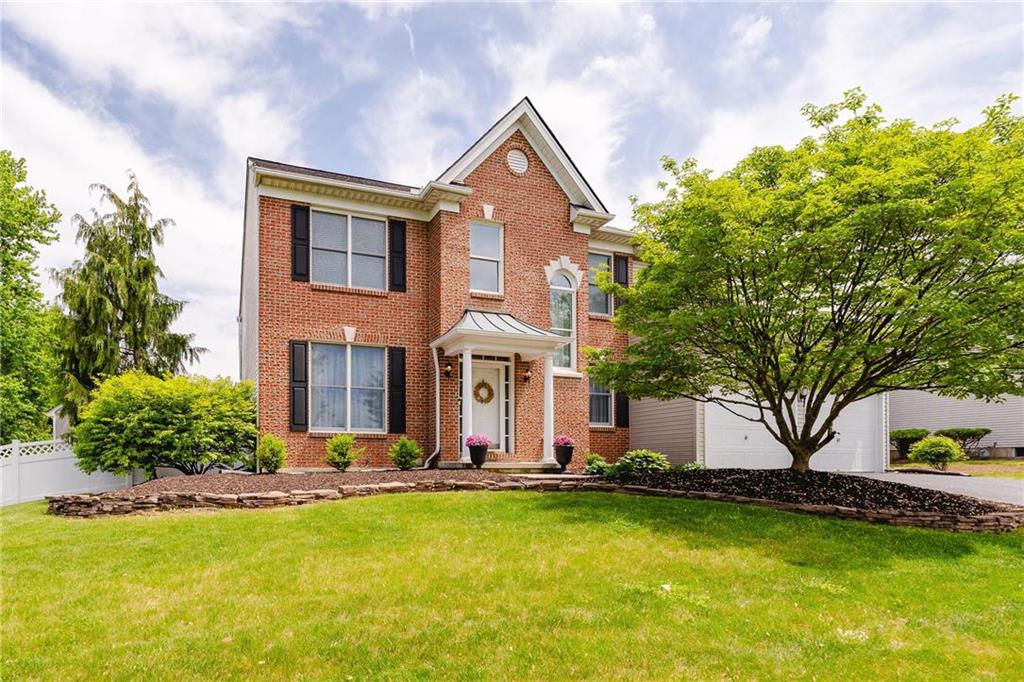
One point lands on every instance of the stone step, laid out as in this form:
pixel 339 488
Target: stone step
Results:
pixel 506 467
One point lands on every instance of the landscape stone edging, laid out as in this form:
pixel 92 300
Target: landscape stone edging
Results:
pixel 109 505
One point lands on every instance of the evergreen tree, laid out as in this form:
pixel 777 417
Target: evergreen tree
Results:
pixel 28 360
pixel 115 317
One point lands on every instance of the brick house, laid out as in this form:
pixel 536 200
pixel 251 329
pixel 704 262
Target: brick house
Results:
pixel 457 307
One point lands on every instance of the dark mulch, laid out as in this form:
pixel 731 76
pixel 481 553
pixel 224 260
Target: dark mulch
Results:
pixel 264 483
pixel 814 487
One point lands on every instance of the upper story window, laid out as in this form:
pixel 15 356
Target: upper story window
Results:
pixel 347 387
pixel 485 258
pixel 599 302
pixel 348 250
pixel 563 316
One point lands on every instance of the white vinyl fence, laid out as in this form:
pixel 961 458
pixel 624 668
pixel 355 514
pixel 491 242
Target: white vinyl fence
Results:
pixel 31 471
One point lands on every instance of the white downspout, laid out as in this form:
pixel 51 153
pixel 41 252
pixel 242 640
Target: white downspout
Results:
pixel 437 408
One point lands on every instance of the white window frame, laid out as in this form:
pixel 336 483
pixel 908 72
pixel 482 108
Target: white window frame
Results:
pixel 348 389
pixel 349 215
pixel 611 408
pixel 573 290
pixel 500 260
pixel 611 271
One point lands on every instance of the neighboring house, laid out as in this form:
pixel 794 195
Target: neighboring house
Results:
pixel 59 424
pixel 458 307
pixel 919 409
pixel 688 431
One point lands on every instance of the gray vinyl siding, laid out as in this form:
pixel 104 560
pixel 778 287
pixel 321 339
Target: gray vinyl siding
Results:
pixel 668 427
pixel 918 409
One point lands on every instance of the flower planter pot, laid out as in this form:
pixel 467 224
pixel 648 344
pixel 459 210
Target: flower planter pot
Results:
pixel 563 455
pixel 478 454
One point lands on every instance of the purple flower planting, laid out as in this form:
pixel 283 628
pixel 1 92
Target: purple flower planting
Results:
pixel 562 441
pixel 477 439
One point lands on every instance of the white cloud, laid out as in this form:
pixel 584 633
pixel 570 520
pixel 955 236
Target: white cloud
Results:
pixel 412 39
pixel 413 133
pixel 201 255
pixel 749 36
pixel 249 126
pixel 924 67
pixel 588 69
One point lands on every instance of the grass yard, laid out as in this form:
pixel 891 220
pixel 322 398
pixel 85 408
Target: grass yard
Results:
pixel 507 586
pixel 1002 468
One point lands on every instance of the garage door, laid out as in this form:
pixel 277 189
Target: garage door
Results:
pixel 730 441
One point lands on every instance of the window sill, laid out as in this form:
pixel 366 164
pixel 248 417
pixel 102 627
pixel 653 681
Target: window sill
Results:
pixel 315 286
pixel 600 316
pixel 568 373
pixel 602 427
pixel 368 435
pixel 491 295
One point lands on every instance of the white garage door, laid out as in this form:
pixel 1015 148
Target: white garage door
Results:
pixel 731 441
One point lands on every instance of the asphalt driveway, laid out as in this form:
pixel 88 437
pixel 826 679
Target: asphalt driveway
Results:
pixel 1006 490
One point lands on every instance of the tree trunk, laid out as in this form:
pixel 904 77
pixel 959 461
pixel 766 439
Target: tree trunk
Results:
pixel 801 459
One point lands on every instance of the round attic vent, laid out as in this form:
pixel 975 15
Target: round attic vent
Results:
pixel 517 161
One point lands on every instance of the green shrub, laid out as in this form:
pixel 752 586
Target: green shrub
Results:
pixel 936 451
pixel 641 460
pixel 902 439
pixel 688 466
pixel 270 454
pixel 189 423
pixel 967 437
pixel 405 453
pixel 596 465
pixel 341 451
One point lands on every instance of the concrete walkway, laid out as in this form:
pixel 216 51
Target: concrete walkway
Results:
pixel 1006 490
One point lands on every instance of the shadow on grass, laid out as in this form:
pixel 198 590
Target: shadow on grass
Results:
pixel 797 539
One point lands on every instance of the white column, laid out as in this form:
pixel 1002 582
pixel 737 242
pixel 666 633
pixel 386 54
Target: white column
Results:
pixel 549 407
pixel 467 399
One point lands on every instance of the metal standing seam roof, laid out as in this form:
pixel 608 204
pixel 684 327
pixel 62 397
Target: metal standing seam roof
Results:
pixel 503 323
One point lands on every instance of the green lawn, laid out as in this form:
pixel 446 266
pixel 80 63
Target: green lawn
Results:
pixel 506 586
pixel 1002 468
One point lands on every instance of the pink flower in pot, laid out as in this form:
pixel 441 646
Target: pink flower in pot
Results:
pixel 478 444
pixel 563 450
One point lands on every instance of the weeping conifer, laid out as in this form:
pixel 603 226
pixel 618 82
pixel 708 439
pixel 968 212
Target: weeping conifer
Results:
pixel 114 317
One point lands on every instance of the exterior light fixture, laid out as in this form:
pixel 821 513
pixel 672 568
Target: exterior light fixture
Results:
pixel 447 368
pixel 527 375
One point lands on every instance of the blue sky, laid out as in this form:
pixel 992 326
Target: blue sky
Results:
pixel 182 94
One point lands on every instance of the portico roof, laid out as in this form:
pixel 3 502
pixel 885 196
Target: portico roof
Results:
pixel 489 332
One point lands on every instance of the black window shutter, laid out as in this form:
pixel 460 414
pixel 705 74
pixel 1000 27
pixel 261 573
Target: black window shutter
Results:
pixel 621 272
pixel 396 281
pixel 396 389
pixel 621 409
pixel 300 243
pixel 299 383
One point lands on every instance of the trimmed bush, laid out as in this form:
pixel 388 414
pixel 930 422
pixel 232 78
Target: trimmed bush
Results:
pixel 596 465
pixel 341 451
pixel 936 451
pixel 641 460
pixel 967 437
pixel 687 466
pixel 270 454
pixel 902 439
pixel 405 453
pixel 188 423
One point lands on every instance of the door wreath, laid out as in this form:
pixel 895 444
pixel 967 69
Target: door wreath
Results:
pixel 483 392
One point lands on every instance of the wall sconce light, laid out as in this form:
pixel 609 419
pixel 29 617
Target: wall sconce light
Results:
pixel 527 375
pixel 447 368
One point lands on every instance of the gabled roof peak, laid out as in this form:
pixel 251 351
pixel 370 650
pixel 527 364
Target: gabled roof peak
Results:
pixel 524 117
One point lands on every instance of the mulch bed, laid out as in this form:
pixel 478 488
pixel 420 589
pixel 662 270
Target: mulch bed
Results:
pixel 265 483
pixel 813 487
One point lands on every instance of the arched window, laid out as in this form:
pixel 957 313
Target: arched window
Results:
pixel 563 316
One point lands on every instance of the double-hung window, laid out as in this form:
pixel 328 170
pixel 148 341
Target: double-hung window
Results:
pixel 563 317
pixel 600 303
pixel 600 404
pixel 348 251
pixel 485 258
pixel 347 388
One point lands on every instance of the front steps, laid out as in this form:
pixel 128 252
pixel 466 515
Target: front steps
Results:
pixel 506 467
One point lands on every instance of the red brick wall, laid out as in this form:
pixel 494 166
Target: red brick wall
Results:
pixel 535 214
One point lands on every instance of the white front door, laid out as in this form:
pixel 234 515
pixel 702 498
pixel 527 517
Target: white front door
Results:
pixel 487 402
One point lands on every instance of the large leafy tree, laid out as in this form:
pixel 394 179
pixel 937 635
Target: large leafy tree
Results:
pixel 876 256
pixel 115 317
pixel 28 360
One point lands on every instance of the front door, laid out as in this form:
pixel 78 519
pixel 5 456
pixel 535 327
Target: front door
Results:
pixel 487 402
